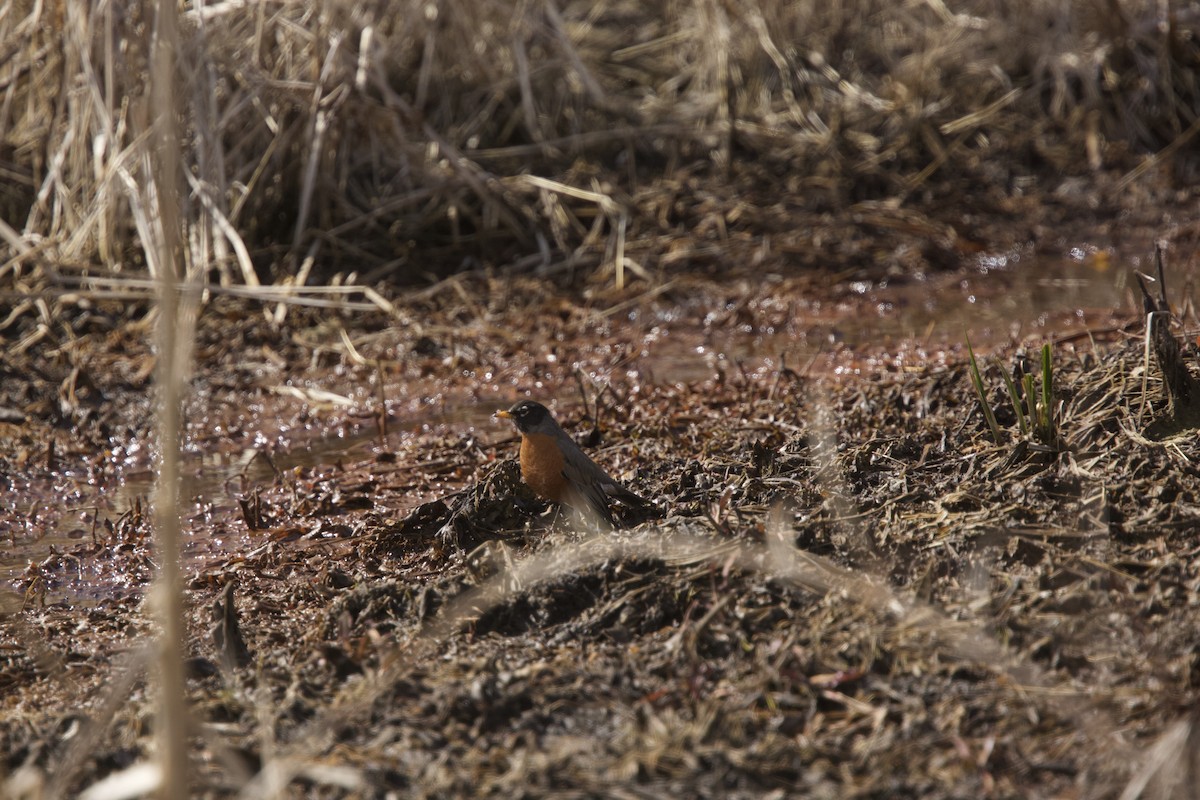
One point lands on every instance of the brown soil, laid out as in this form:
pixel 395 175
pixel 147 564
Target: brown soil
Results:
pixel 852 591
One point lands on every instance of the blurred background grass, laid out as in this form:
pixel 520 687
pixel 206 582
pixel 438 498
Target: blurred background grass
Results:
pixel 405 139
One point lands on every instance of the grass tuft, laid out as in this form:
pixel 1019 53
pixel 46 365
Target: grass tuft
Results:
pixel 1034 406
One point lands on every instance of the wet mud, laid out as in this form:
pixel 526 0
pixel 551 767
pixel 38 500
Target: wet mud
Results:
pixel 854 586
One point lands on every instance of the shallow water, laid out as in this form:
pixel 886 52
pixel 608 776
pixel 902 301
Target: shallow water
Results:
pixel 1003 299
pixel 212 520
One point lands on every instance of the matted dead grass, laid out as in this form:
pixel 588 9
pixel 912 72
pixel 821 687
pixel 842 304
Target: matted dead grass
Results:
pixel 854 591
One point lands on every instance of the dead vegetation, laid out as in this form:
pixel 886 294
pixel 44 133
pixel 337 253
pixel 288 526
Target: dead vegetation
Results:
pixel 615 139
pixel 855 591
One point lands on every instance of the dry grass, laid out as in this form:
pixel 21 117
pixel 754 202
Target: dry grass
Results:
pixel 348 145
pixel 335 144
pixel 409 138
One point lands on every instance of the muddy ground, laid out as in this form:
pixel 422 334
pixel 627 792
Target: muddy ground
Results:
pixel 852 589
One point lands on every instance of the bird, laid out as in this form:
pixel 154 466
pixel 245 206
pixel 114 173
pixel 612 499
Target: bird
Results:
pixel 556 469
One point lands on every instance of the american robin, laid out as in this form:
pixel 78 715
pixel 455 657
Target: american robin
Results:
pixel 557 470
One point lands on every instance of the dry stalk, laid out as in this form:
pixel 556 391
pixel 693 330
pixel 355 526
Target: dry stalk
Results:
pixel 174 345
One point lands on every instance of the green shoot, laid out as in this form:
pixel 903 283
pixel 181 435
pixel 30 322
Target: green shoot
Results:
pixel 977 381
pixel 1031 401
pixel 1015 398
pixel 1046 425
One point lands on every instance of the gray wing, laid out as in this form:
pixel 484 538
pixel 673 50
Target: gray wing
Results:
pixel 595 486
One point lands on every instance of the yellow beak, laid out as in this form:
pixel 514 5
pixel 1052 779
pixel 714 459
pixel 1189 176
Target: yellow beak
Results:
pixel 502 414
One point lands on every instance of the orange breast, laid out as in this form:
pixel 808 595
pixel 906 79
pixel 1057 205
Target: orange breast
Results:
pixel 542 466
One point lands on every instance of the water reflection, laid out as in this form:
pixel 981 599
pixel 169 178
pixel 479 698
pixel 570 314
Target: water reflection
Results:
pixel 1004 298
